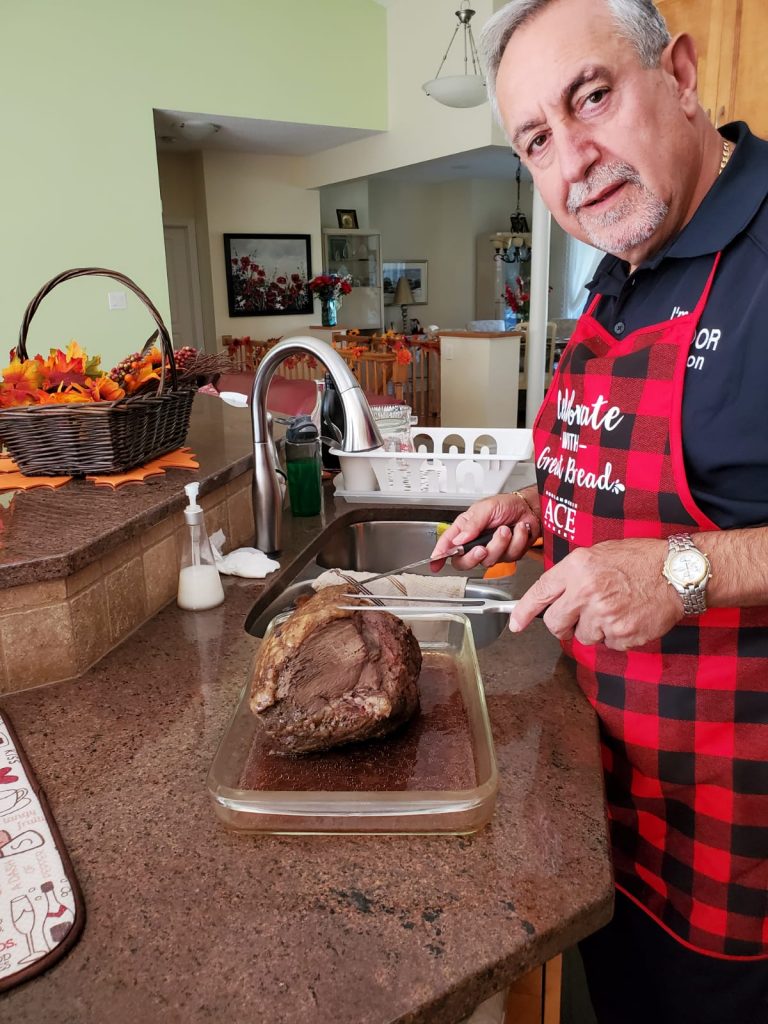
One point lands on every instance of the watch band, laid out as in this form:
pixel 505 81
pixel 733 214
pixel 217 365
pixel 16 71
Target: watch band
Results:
pixel 693 596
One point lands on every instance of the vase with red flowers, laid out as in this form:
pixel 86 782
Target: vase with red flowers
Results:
pixel 330 288
pixel 518 302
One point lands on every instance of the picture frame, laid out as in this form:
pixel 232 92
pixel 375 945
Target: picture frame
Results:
pixel 347 219
pixel 417 273
pixel 268 274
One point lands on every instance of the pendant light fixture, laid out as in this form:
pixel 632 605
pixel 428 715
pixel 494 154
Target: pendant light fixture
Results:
pixel 467 90
pixel 512 246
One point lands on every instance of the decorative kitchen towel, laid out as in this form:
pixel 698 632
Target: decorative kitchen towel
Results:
pixel 41 907
pixel 407 584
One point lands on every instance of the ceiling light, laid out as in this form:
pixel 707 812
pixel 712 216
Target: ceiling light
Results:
pixel 196 129
pixel 513 246
pixel 467 90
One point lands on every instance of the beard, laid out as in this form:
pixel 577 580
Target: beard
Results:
pixel 628 223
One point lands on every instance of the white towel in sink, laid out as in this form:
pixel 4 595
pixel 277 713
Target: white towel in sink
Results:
pixel 411 584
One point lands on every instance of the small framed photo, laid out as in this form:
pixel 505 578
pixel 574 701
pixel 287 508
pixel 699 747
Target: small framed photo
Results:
pixel 416 273
pixel 347 218
pixel 268 275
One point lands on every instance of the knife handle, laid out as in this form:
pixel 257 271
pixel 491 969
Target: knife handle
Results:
pixel 480 541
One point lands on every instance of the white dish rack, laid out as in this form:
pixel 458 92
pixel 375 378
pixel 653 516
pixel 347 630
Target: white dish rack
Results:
pixel 462 462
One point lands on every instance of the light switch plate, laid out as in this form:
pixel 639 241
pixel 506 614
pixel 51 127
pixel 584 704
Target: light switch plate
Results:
pixel 117 300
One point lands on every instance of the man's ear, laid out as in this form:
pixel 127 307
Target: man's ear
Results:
pixel 679 60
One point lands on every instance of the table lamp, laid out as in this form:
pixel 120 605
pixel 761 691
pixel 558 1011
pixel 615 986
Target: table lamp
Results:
pixel 403 298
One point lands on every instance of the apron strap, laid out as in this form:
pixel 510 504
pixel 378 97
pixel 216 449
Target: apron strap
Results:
pixel 698 312
pixel 590 310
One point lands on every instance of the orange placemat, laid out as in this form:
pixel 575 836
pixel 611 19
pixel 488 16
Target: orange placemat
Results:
pixel 12 479
pixel 182 458
pixel 18 482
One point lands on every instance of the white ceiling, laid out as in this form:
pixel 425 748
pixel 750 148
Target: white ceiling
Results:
pixel 497 162
pixel 248 135
pixel 281 138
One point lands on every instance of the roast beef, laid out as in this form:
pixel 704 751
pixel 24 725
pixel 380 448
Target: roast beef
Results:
pixel 327 676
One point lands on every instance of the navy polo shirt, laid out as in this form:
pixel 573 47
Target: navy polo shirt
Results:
pixel 725 398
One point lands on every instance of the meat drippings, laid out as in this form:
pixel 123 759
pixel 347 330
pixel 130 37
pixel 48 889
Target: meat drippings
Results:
pixel 433 751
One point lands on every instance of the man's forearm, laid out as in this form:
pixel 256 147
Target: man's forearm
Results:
pixel 739 560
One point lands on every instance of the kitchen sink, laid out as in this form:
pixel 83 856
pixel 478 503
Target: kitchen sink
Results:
pixel 376 547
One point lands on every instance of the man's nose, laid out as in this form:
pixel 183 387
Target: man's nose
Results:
pixel 577 151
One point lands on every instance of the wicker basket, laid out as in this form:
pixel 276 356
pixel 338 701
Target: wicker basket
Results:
pixel 99 437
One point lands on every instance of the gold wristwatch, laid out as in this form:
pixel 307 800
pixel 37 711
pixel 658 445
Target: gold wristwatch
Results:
pixel 687 569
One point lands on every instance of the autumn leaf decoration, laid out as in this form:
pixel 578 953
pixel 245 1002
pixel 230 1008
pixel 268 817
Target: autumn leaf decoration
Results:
pixel 71 376
pixel 21 383
pixel 63 378
pixel 397 343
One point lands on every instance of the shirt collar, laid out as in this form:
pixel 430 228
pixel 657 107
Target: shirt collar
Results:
pixel 724 213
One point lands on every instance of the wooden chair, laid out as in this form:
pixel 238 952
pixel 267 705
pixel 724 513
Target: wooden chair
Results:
pixel 549 368
pixel 379 373
pixel 246 353
pixel 240 352
pixel 301 368
pixel 342 340
pixel 422 390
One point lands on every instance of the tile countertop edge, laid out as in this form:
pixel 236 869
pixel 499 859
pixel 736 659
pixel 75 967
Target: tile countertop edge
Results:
pixel 80 522
pixel 336 929
pixel 52 567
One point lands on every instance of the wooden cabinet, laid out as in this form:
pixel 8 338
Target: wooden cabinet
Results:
pixel 733 60
pixel 749 69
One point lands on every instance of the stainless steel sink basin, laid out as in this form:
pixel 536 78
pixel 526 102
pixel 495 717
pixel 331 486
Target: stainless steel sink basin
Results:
pixel 376 547
pixel 379 546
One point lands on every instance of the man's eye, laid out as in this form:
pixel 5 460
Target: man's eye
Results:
pixel 596 97
pixel 536 143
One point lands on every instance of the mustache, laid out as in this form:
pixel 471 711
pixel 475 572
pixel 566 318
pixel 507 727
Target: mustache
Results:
pixel 601 178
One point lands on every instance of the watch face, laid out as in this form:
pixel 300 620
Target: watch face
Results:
pixel 687 567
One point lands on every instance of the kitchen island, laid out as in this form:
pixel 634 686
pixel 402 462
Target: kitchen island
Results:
pixel 189 923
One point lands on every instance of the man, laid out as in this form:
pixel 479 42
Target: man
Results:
pixel 652 470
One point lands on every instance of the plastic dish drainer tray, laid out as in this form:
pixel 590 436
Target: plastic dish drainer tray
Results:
pixel 472 461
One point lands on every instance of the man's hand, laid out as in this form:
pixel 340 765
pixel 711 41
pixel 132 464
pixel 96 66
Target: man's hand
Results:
pixel 517 529
pixel 612 592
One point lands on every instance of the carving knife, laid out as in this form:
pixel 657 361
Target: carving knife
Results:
pixel 461 549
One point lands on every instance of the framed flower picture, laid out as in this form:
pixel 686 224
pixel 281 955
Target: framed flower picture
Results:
pixel 268 275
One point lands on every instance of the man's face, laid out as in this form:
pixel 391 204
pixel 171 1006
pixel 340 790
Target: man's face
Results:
pixel 606 140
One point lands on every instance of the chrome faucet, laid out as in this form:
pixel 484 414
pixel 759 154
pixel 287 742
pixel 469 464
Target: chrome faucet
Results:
pixel 360 431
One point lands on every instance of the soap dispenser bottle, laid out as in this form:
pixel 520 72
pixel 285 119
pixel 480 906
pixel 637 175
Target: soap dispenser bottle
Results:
pixel 199 581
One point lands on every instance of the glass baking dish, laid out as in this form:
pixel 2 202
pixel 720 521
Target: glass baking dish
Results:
pixel 437 774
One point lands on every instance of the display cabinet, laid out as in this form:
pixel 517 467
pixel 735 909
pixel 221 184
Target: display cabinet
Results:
pixel 357 253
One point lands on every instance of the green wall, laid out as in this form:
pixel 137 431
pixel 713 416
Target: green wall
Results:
pixel 78 167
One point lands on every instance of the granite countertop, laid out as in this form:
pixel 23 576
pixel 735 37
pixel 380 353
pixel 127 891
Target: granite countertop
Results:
pixel 46 534
pixel 514 333
pixel 189 923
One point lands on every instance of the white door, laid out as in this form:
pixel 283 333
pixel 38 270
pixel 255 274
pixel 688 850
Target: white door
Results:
pixel 183 286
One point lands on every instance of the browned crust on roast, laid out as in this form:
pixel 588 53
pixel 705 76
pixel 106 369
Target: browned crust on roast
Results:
pixel 328 677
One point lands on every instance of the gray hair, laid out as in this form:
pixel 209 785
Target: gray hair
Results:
pixel 639 20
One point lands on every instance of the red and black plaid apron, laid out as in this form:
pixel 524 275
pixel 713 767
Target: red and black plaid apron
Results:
pixel 684 720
